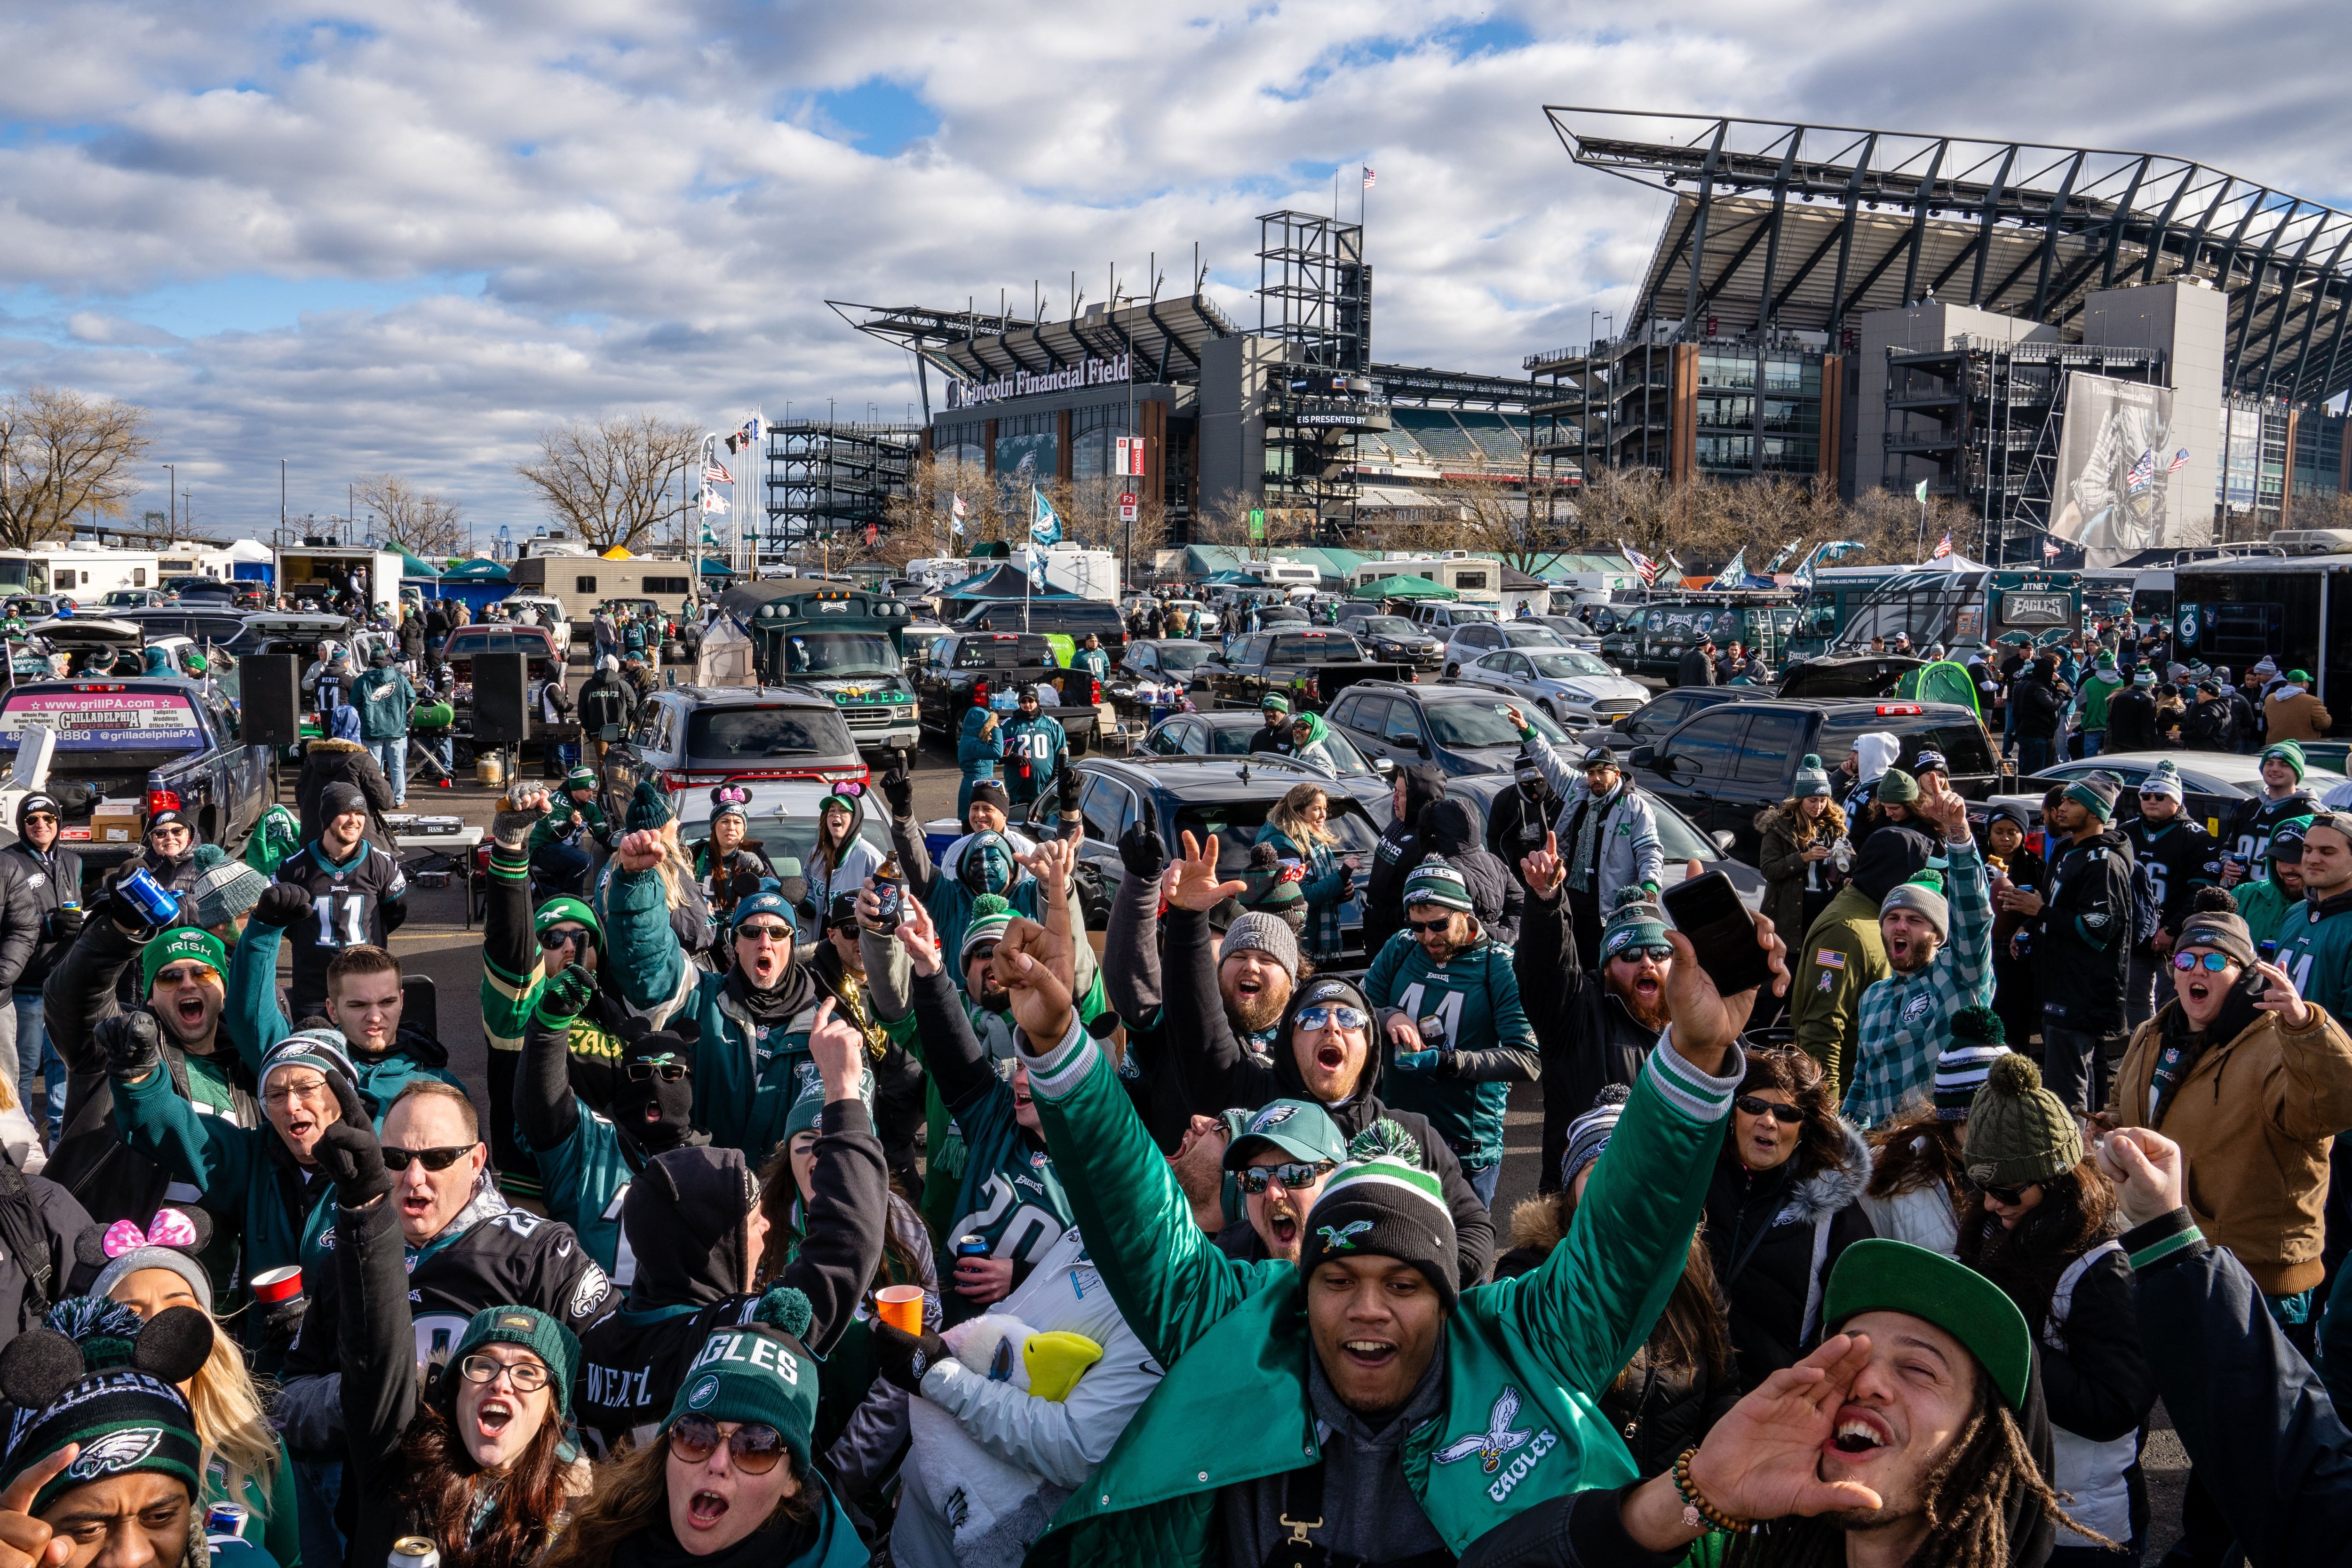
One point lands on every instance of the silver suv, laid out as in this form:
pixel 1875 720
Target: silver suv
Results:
pixel 696 736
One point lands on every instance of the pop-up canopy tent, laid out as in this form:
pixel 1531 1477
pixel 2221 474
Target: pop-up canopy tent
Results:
pixel 1403 588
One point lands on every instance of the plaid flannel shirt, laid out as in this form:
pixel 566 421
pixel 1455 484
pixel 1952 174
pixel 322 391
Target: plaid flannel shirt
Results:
pixel 1906 1019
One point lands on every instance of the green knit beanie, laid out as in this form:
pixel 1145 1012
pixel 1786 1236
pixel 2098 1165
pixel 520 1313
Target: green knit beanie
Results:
pixel 2019 1133
pixel 182 941
pixel 1896 787
pixel 2288 752
pixel 758 1371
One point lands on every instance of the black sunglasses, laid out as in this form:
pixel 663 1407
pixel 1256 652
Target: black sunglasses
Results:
pixel 431 1159
pixel 1756 1105
pixel 561 936
pixel 1430 926
pixel 1293 1175
pixel 2008 1197
pixel 753 1447
pixel 668 1072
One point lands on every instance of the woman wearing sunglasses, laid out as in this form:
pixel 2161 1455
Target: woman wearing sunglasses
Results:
pixel 1784 1205
pixel 2045 1233
pixel 477 1461
pixel 728 1482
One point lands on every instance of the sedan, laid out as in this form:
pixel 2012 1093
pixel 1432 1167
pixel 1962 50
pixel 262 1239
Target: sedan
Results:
pixel 1228 735
pixel 1678 837
pixel 1574 688
pixel 1572 632
pixel 1479 638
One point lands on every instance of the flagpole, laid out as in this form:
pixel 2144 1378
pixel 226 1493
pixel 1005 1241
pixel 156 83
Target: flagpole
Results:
pixel 1029 567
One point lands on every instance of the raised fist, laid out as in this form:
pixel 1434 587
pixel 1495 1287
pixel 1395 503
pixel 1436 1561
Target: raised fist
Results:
pixel 281 904
pixel 133 1044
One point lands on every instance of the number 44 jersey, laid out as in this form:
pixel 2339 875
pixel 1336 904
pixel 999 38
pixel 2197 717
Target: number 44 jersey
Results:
pixel 349 905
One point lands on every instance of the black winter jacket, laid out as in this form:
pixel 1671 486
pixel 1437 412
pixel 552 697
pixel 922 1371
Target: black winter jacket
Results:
pixel 1403 847
pixel 1583 1031
pixel 1762 1230
pixel 2083 938
pixel 1696 669
pixel 606 699
pixel 1516 826
pixel 1496 896
pixel 57 1222
pixel 2099 1386
pixel 1217 1075
pixel 32 887
pixel 2131 720
pixel 2038 702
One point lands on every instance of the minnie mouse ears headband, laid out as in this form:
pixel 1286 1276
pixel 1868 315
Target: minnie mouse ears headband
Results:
pixel 170 1241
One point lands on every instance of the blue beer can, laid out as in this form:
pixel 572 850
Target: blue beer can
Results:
pixel 151 897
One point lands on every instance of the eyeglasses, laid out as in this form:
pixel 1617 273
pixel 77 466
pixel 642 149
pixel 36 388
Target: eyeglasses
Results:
pixel 2009 1197
pixel 981 954
pixel 524 1376
pixel 179 974
pixel 287 1090
pixel 1659 951
pixel 753 1447
pixel 33 816
pixel 1432 927
pixel 2214 962
pixel 668 1072
pixel 431 1159
pixel 1293 1175
pixel 765 932
pixel 561 936
pixel 1756 1105
pixel 1325 1016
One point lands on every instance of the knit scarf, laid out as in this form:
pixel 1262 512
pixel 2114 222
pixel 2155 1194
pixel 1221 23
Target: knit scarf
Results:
pixel 1584 859
pixel 2181 1047
pixel 792 994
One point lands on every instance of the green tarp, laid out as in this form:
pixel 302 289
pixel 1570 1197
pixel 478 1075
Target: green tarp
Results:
pixel 1403 588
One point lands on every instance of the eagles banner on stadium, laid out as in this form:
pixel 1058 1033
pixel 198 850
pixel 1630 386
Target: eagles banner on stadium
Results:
pixel 2118 458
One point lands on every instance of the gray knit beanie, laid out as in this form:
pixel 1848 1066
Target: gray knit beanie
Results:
pixel 1258 931
pixel 1925 893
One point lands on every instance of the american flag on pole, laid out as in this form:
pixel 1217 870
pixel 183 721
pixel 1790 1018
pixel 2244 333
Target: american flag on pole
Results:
pixel 2142 472
pixel 717 476
pixel 1641 563
pixel 1368 177
pixel 2180 461
pixel 1943 548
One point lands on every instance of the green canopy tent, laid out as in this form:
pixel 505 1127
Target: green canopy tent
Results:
pixel 1403 588
pixel 478 570
pixel 411 567
pixel 1942 682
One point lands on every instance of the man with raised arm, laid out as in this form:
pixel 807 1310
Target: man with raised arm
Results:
pixel 1391 1414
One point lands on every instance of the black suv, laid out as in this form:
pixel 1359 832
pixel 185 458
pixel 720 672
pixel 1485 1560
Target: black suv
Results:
pixel 1735 758
pixel 1460 729
pixel 1073 619
pixel 1655 720
pixel 1223 798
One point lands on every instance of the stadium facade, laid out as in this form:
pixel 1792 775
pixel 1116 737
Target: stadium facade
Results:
pixel 1878 308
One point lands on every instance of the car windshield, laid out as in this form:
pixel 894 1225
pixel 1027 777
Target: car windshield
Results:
pixel 1387 626
pixel 1483 724
pixel 1182 656
pixel 1531 636
pixel 1677 839
pixel 736 734
pixel 1315 647
pixel 840 654
pixel 1568 665
pixel 1232 740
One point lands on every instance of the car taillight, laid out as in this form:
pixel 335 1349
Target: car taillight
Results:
pixel 1094 689
pixel 979 693
pixel 1885 709
pixel 161 800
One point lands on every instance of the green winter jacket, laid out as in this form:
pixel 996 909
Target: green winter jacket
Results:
pixel 384 697
pixel 557 826
pixel 1476 994
pixel 1842 956
pixel 1532 1354
pixel 256 1022
pixel 2091 707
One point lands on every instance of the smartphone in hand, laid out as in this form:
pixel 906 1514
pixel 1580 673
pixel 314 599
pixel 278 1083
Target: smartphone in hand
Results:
pixel 1707 911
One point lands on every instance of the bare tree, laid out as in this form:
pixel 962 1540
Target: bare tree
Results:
pixel 417 521
pixel 64 456
pixel 611 482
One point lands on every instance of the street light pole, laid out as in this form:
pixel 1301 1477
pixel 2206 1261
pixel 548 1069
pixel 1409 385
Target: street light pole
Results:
pixel 281 499
pixel 171 500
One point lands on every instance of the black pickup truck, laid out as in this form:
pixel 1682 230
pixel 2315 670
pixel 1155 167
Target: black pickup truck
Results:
pixel 122 740
pixel 962 668
pixel 1308 666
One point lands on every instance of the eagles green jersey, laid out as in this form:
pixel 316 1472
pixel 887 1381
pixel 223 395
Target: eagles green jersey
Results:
pixel 585 1179
pixel 2314 944
pixel 1009 1196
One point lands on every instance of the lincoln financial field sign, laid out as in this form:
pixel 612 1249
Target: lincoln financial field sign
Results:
pixel 1110 371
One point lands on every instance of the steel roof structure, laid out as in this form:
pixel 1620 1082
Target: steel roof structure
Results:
pixel 1166 335
pixel 1801 225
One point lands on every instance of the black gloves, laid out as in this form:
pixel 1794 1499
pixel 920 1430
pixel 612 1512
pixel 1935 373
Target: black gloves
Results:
pixel 281 904
pixel 348 1152
pixel 1066 792
pixel 510 830
pixel 903 1358
pixel 64 925
pixel 899 791
pixel 133 1044
pixel 565 996
pixel 1139 847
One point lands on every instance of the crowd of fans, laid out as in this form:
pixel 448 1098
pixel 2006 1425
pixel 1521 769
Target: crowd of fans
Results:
pixel 871 1207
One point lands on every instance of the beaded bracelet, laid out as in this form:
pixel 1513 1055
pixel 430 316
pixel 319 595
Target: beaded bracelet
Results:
pixel 1697 1513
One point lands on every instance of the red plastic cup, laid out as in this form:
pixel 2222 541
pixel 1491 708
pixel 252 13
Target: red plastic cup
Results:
pixel 275 1285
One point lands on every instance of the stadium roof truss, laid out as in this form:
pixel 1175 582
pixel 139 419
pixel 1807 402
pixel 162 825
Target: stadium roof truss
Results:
pixel 1801 225
pixel 1165 337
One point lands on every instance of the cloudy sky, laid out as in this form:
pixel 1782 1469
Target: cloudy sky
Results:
pixel 406 236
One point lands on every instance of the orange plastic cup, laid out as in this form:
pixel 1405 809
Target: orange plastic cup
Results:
pixel 901 1307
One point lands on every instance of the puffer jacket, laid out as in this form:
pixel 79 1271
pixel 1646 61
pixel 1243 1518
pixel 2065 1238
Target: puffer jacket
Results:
pixel 1630 851
pixel 1403 847
pixel 2253 1118
pixel 1787 836
pixel 33 888
pixel 1496 896
pixel 1659 1407
pixel 1774 1238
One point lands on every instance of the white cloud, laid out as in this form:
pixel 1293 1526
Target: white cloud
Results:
pixel 436 227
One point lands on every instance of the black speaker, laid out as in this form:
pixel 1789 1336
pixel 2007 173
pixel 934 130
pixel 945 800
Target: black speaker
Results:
pixel 501 706
pixel 270 704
